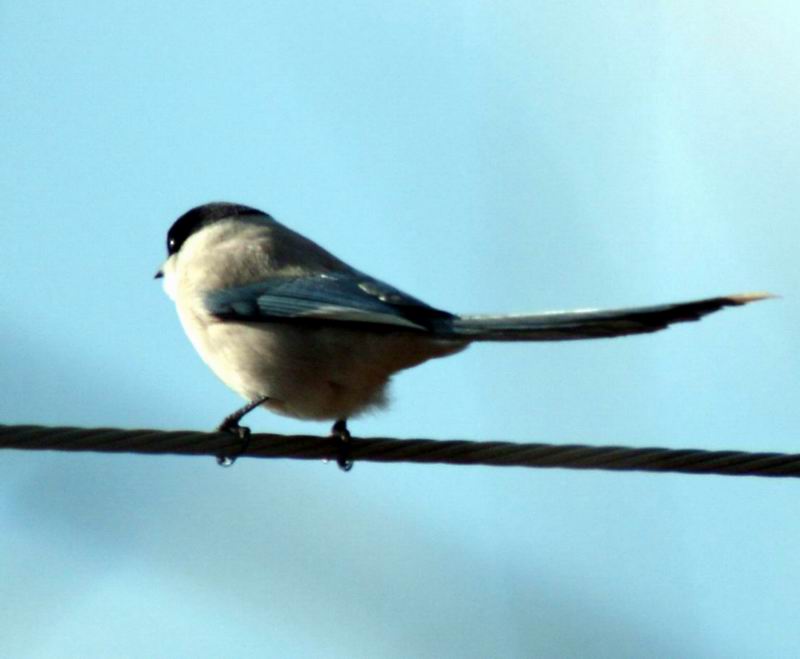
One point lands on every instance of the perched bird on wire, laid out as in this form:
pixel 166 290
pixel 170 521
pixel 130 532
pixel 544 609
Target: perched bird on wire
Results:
pixel 292 328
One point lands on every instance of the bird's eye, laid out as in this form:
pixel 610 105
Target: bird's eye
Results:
pixel 171 245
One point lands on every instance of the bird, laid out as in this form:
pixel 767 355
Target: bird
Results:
pixel 292 328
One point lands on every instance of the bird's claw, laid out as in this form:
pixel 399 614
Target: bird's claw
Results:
pixel 341 435
pixel 242 432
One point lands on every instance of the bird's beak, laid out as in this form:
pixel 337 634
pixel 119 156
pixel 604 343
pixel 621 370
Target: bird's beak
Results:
pixel 159 274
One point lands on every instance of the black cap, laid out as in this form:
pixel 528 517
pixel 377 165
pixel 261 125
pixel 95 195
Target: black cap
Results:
pixel 202 216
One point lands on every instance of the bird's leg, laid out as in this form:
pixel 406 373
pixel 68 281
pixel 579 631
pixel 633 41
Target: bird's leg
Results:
pixel 341 434
pixel 231 424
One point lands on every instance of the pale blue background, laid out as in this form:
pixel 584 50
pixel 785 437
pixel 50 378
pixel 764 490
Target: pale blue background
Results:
pixel 485 156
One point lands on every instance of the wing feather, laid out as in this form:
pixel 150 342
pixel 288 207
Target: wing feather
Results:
pixel 338 298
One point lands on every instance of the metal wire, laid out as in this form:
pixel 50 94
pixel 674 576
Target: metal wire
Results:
pixel 376 449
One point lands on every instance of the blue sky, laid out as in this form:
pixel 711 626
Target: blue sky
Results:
pixel 486 157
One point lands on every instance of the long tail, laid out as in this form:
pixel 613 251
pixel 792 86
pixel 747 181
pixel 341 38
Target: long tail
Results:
pixel 590 323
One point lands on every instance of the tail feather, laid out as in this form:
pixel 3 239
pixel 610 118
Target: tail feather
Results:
pixel 591 323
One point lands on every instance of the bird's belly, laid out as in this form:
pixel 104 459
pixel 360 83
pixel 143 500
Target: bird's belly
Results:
pixel 311 372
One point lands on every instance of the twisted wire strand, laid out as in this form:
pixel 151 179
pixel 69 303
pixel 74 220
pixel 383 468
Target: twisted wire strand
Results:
pixel 379 449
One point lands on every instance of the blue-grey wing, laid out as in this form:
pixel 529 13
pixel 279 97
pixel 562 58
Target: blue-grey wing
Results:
pixel 335 297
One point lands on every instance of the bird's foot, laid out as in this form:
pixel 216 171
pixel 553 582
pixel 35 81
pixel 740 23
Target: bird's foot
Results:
pixel 243 433
pixel 231 424
pixel 341 435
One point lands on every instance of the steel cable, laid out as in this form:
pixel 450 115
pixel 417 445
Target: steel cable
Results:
pixel 377 449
